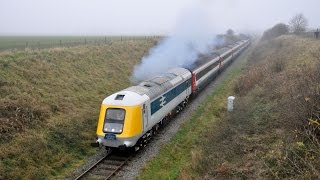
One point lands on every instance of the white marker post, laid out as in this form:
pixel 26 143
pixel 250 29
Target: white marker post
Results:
pixel 230 103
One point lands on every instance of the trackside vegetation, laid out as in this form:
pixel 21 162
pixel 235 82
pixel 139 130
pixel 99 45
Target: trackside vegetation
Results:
pixel 273 132
pixel 49 104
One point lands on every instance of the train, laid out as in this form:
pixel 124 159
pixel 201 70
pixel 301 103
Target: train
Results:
pixel 129 118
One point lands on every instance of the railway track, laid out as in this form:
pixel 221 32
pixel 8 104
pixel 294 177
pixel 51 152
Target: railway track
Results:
pixel 106 167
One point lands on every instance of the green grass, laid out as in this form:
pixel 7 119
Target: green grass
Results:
pixel 49 104
pixel 183 150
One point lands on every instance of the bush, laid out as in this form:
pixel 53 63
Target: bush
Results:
pixel 275 31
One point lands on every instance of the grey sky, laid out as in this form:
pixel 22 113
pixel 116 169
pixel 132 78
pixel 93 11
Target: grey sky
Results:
pixel 117 17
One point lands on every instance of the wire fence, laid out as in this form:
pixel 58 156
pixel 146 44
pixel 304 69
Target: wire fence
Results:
pixel 42 42
pixel 27 43
pixel 309 34
pixel 306 34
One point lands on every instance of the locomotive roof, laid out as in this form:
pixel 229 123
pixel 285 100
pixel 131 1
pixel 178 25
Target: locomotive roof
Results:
pixel 125 98
pixel 159 84
pixel 149 89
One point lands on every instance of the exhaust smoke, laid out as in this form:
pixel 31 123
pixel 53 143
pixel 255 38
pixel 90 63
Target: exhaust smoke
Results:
pixel 193 35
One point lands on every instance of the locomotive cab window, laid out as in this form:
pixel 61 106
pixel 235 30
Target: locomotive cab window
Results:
pixel 114 120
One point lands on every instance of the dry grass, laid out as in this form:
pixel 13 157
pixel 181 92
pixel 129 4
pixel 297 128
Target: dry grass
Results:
pixel 49 104
pixel 274 132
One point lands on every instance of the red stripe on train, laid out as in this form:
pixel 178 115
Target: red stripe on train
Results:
pixel 194 86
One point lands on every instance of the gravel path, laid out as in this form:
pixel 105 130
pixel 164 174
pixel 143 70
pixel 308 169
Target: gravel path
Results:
pixel 131 170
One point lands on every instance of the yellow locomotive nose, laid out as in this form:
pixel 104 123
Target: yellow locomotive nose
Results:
pixel 123 121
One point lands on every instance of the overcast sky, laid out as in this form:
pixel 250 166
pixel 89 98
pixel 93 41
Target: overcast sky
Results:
pixel 139 17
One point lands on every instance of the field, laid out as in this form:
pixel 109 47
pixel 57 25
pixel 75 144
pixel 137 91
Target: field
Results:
pixel 273 132
pixel 50 100
pixel 41 42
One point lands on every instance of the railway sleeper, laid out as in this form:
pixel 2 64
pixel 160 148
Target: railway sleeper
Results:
pixel 113 162
pixel 96 175
pixel 107 167
pixel 102 172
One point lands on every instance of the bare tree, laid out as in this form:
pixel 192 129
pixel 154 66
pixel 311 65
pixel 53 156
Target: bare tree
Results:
pixel 298 23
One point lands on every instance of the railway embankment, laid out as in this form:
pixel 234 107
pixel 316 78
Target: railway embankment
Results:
pixel 48 104
pixel 272 133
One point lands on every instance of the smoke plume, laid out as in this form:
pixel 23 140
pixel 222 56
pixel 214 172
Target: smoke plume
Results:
pixel 193 35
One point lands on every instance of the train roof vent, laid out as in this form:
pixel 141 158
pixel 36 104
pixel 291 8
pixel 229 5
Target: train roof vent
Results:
pixel 147 84
pixel 160 80
pixel 119 97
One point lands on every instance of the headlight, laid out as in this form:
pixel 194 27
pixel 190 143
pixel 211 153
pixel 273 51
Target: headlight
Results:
pixel 113 128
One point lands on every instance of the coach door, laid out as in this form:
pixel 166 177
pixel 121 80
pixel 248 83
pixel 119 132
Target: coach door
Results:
pixel 189 87
pixel 145 113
